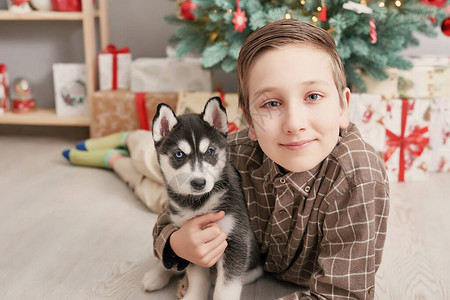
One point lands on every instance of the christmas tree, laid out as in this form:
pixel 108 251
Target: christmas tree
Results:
pixel 369 36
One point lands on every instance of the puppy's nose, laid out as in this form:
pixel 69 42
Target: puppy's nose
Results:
pixel 198 183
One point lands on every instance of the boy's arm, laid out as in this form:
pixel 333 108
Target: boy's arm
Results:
pixel 200 241
pixel 353 235
pixel 162 231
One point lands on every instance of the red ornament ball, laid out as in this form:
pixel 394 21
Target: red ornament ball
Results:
pixel 445 26
pixel 187 8
pixel 437 3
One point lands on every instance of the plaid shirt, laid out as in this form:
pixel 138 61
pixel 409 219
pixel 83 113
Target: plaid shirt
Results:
pixel 323 229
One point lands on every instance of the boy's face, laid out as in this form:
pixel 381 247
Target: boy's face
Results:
pixel 294 105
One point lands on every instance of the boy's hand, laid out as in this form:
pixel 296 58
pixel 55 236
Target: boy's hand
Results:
pixel 200 240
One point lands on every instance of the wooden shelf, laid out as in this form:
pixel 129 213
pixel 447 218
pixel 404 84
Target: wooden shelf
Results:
pixel 43 116
pixel 42 15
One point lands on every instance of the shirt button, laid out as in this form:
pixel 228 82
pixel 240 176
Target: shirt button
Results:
pixel 307 188
pixel 278 239
pixel 371 291
pixel 282 180
pixel 282 212
pixel 266 178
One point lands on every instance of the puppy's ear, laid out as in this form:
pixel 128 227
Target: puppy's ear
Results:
pixel 163 122
pixel 215 115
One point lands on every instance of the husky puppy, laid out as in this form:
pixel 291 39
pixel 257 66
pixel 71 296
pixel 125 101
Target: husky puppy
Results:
pixel 192 155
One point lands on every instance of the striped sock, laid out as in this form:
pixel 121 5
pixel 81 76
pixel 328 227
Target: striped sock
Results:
pixel 96 158
pixel 106 142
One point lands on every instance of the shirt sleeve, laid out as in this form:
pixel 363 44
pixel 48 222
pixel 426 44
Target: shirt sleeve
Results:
pixel 162 231
pixel 353 235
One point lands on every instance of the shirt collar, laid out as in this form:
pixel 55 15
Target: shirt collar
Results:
pixel 301 181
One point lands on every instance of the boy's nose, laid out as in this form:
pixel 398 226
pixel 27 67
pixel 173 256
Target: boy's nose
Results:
pixel 294 120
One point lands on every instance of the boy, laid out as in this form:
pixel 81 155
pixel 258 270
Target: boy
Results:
pixel 317 194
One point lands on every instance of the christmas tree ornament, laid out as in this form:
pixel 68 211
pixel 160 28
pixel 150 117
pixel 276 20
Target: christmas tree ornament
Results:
pixel 372 31
pixel 186 10
pixel 437 3
pixel 239 18
pixel 357 7
pixel 22 100
pixel 19 6
pixel 45 5
pixel 445 26
pixel 323 12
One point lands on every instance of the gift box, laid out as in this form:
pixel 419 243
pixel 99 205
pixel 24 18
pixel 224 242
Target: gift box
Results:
pixel 387 89
pixel 169 75
pixel 194 102
pixel 440 135
pixel 427 79
pixel 4 100
pixel 70 89
pixel 367 112
pixel 114 67
pixel 407 153
pixel 115 111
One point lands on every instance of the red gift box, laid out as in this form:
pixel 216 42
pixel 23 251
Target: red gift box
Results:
pixel 4 86
pixel 67 5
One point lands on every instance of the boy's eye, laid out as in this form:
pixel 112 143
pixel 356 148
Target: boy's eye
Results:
pixel 210 151
pixel 271 104
pixel 314 97
pixel 179 154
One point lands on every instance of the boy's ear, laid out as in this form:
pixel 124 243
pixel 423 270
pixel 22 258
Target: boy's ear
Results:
pixel 163 122
pixel 215 115
pixel 343 118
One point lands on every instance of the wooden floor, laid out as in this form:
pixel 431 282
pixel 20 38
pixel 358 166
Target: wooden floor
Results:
pixel 79 233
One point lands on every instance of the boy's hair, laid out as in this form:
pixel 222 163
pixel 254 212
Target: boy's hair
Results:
pixel 282 33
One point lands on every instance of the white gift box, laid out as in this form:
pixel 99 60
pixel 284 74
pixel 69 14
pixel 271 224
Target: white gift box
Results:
pixel 440 135
pixel 367 112
pixel 114 70
pixel 407 153
pixel 169 75
pixel 70 89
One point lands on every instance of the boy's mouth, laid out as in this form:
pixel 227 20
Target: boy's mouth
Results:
pixel 297 145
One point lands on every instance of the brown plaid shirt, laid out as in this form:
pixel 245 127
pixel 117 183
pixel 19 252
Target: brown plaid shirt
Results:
pixel 323 229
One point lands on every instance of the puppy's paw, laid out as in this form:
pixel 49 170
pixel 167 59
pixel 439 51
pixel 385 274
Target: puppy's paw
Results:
pixel 183 286
pixel 156 279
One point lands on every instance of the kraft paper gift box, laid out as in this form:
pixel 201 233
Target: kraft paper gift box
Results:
pixel 387 89
pixel 115 111
pixel 195 103
pixel 367 112
pixel 70 89
pixel 169 75
pixel 114 67
pixel 440 135
pixel 407 152
pixel 427 79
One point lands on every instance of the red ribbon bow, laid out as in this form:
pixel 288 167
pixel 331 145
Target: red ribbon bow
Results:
pixel 141 110
pixel 111 49
pixel 415 143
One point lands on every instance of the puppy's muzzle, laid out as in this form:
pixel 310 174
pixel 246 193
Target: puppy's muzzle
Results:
pixel 198 183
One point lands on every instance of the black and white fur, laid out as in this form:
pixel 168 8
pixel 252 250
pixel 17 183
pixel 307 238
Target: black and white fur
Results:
pixel 192 155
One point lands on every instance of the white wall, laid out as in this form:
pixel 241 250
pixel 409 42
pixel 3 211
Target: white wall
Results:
pixel 29 48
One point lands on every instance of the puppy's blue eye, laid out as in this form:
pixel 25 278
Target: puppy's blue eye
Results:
pixel 179 154
pixel 210 151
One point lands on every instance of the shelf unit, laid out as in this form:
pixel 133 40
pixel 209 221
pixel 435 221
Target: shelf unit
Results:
pixel 45 116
